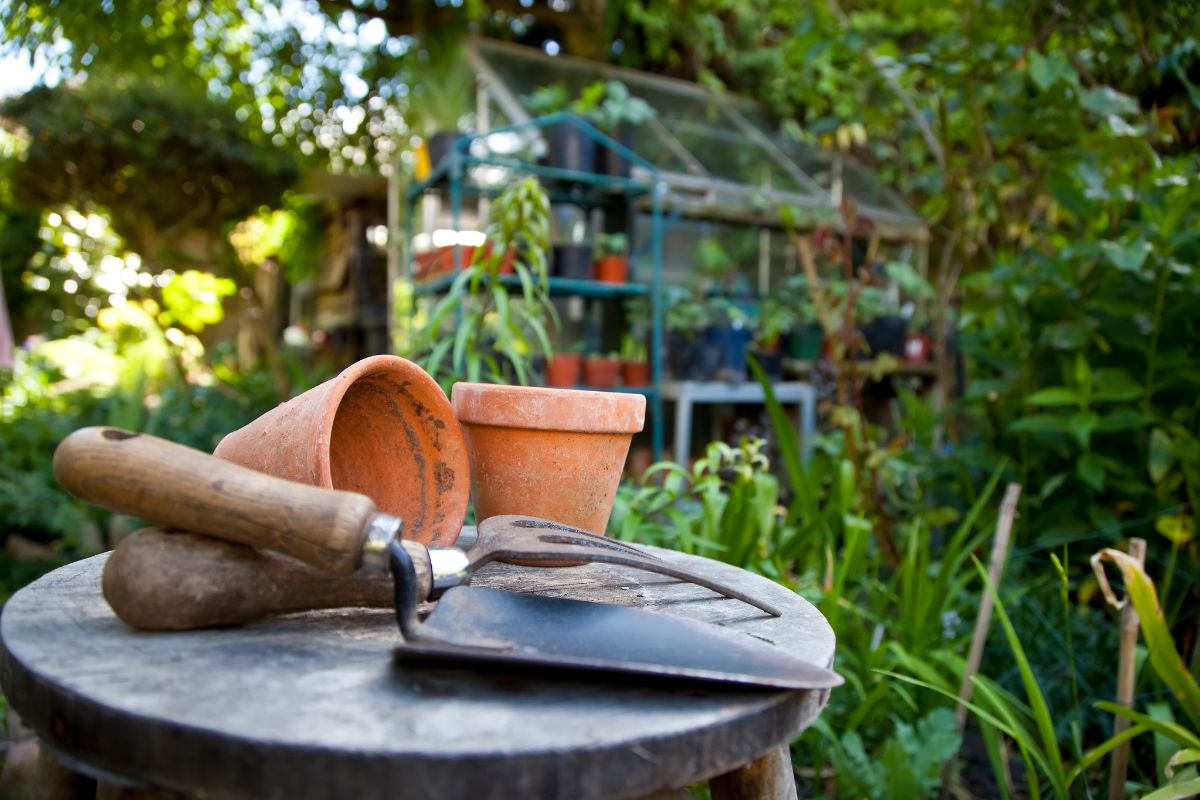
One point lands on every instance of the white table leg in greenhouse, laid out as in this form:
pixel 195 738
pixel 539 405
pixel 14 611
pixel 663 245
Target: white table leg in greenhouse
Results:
pixel 687 394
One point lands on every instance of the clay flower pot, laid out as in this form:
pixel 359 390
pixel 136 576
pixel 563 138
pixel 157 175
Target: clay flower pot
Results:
pixel 611 269
pixel 551 453
pixel 601 372
pixel 563 370
pixel 382 427
pixel 635 373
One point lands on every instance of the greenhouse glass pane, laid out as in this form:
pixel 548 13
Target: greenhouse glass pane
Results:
pixel 525 73
pixel 867 190
pixel 719 144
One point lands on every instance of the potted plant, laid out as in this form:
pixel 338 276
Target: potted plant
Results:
pixel 600 371
pixel 616 114
pixel 567 146
pixel 472 331
pixel 887 328
pixel 775 318
pixel 444 89
pixel 612 258
pixel 803 342
pixel 571 255
pixel 564 368
pixel 690 355
pixel 730 334
pixel 635 363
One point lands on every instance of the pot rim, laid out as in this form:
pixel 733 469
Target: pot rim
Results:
pixel 404 371
pixel 548 408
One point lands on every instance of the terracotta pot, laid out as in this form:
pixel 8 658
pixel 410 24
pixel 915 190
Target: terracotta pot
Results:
pixel 601 372
pixel 551 453
pixel 611 269
pixel 382 427
pixel 440 260
pixel 635 373
pixel 563 370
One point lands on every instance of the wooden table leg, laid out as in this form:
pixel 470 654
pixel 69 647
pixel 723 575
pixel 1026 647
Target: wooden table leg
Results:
pixel 767 778
pixel 31 773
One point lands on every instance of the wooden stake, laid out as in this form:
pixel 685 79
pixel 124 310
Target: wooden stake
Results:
pixel 1004 524
pixel 1008 513
pixel 1125 676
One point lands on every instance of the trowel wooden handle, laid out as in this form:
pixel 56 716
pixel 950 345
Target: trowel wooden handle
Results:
pixel 178 487
pixel 173 581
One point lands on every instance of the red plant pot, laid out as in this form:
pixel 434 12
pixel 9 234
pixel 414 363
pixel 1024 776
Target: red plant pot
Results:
pixel 611 269
pixel 635 373
pixel 601 373
pixel 916 348
pixel 439 261
pixel 563 370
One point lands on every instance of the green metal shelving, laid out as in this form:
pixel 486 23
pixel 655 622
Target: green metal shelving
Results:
pixel 455 177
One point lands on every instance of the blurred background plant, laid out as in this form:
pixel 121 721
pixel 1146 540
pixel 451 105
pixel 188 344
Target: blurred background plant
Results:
pixel 475 332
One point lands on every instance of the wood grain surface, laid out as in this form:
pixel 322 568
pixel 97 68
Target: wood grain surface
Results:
pixel 178 487
pixel 173 581
pixel 310 705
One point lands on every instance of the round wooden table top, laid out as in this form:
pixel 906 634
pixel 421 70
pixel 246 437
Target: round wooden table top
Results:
pixel 311 705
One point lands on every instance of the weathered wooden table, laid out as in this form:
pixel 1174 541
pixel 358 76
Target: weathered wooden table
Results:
pixel 312 706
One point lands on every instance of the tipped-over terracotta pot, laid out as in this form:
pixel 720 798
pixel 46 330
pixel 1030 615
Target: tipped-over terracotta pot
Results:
pixel 382 427
pixel 552 453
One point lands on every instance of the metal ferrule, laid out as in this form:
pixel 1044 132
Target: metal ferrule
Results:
pixel 450 566
pixel 381 530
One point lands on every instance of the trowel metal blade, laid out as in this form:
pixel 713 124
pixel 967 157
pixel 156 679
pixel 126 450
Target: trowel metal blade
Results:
pixel 489 627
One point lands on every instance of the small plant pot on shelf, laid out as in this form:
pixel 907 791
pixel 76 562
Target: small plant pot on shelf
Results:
pixel 611 269
pixel 804 343
pixel 563 370
pixel 731 343
pixel 771 362
pixel 917 348
pixel 610 162
pixel 551 453
pixel 571 261
pixel 692 358
pixel 885 335
pixel 601 373
pixel 635 374
pixel 569 148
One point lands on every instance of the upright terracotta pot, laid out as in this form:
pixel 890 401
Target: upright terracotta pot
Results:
pixel 382 427
pixel 552 453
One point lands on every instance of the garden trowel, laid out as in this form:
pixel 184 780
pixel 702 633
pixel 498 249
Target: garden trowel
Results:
pixel 335 530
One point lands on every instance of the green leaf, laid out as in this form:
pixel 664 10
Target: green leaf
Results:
pixel 1082 425
pixel 1161 455
pixel 1178 528
pixel 1172 730
pixel 1054 396
pixel 1175 791
pixel 1091 469
pixel 1104 100
pixel 1046 71
pixel 1125 419
pixel 1083 372
pixel 1051 484
pixel 1126 256
pixel 1164 658
pixel 1039 423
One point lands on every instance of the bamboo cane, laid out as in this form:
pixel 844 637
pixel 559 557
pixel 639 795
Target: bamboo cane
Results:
pixel 1125 676
pixel 1004 524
